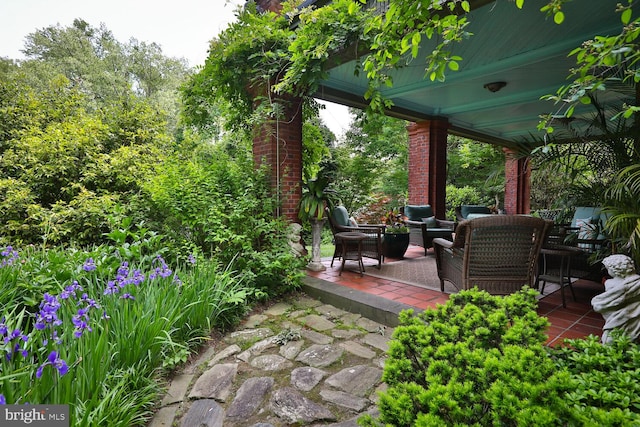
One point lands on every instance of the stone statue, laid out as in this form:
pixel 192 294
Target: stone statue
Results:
pixel 295 240
pixel 619 304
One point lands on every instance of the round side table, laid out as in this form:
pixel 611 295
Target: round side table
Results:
pixel 563 274
pixel 351 242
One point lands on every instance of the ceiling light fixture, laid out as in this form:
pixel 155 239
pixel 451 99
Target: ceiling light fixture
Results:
pixel 495 86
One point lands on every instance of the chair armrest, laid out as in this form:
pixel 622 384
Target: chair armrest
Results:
pixel 443 242
pixel 445 223
pixel 370 228
pixel 411 223
pixel 364 228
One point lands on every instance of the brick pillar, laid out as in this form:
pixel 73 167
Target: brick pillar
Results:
pixel 428 164
pixel 270 5
pixel 517 189
pixel 278 144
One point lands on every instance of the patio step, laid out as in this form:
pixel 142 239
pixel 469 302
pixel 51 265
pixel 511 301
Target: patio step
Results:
pixel 373 307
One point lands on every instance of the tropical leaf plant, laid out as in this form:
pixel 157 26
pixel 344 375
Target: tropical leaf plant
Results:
pixel 624 212
pixel 315 196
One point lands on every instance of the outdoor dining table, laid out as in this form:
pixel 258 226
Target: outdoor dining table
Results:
pixel 563 254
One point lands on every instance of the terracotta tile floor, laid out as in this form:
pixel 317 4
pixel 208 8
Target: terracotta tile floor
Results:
pixel 576 320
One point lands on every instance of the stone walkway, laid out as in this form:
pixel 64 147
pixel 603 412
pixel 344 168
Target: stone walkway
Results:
pixel 298 362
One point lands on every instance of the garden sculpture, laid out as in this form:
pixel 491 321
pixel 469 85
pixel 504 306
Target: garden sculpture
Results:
pixel 294 239
pixel 619 304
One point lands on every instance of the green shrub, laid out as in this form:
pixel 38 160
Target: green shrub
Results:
pixel 477 360
pixel 605 389
pixel 223 207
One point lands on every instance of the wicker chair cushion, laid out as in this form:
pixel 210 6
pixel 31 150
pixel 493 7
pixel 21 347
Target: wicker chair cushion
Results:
pixel 477 215
pixel 417 212
pixel 465 210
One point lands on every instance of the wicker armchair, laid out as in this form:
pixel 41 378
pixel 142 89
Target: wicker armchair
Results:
pixel 371 246
pixel 424 226
pixel 497 253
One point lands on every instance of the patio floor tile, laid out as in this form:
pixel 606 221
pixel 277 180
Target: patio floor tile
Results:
pixel 576 320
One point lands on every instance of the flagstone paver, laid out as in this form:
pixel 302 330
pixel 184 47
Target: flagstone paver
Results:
pixel 216 383
pixel 297 362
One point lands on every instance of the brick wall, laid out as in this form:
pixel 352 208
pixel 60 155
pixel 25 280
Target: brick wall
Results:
pixel 428 164
pixel 270 5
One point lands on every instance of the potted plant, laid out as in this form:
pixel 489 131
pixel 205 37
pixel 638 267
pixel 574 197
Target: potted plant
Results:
pixel 315 197
pixel 396 235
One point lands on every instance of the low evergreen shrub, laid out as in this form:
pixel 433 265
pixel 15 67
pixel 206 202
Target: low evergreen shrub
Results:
pixel 477 360
pixel 480 360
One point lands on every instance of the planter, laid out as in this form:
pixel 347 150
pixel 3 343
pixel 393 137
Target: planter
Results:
pixel 395 245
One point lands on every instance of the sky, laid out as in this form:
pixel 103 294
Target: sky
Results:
pixel 181 28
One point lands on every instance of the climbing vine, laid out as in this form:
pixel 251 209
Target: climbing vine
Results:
pixel 399 33
pixel 249 55
pixel 321 35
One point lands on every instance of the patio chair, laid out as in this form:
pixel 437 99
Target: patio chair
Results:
pixel 424 226
pixel 497 253
pixel 585 229
pixel 585 232
pixel 371 246
pixel 464 212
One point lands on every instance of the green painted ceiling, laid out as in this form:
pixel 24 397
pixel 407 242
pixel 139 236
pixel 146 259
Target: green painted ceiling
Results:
pixel 523 48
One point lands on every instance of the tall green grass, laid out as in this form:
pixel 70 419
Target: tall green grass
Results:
pixel 105 330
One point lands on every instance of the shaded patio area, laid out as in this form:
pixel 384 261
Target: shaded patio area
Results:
pixel 576 320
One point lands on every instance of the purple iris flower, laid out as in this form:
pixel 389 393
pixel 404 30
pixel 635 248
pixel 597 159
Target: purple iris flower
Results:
pixel 89 265
pixel 10 256
pixel 163 270
pixel 13 335
pixel 138 278
pixel 54 360
pixel 48 312
pixel 123 271
pixel 18 336
pixel 91 303
pixel 112 288
pixel 70 291
pixel 3 328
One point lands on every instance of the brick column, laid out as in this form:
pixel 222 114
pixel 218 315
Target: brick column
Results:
pixel 428 164
pixel 270 5
pixel 278 144
pixel 517 189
